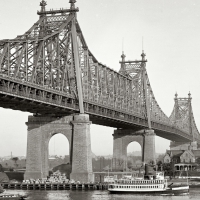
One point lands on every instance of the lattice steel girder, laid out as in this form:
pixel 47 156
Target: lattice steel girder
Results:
pixel 44 55
pixel 50 102
pixel 41 60
pixel 182 116
pixel 42 64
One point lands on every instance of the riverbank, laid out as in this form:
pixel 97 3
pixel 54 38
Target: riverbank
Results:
pixel 85 186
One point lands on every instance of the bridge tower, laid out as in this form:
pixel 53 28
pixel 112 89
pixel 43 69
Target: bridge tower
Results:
pixel 75 127
pixel 135 70
pixel 182 117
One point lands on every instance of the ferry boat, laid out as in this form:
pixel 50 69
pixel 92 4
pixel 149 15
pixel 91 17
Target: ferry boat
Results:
pixel 149 183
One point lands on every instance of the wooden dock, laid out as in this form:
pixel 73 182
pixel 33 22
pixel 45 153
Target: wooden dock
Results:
pixel 54 186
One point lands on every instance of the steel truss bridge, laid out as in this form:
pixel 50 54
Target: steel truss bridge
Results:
pixel 49 70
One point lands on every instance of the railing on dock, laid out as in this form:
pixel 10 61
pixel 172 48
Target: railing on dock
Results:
pixel 55 186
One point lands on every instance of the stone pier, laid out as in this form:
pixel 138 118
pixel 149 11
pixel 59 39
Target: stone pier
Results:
pixel 123 137
pixel 82 158
pixel 77 131
pixel 149 146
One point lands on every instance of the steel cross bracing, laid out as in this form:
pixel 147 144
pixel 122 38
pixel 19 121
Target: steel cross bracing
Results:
pixel 182 116
pixel 38 73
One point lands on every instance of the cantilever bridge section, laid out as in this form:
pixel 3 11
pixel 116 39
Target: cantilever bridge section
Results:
pixel 38 74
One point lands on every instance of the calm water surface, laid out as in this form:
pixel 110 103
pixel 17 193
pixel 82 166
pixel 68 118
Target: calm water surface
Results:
pixel 99 195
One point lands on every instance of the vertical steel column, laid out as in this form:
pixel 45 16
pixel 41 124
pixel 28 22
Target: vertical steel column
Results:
pixel 190 116
pixel 43 63
pixel 176 108
pixel 77 65
pixel 26 60
pixel 8 59
pixel 145 90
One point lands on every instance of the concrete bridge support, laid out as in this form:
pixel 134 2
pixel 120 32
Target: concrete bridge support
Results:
pixel 123 137
pixel 149 154
pixel 40 131
pixel 82 157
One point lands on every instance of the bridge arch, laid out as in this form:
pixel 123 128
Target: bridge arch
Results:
pixel 58 144
pixel 66 134
pixel 42 128
pixel 122 137
pixel 133 159
pixel 121 142
pixel 40 131
pixel 52 130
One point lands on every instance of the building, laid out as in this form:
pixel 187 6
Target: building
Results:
pixel 13 164
pixel 183 157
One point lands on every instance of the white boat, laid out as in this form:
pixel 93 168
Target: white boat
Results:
pixel 148 184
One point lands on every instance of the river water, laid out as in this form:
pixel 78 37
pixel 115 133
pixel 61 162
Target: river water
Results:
pixel 98 195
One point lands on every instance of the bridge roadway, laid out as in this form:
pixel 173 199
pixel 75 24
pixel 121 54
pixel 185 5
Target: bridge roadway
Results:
pixel 24 96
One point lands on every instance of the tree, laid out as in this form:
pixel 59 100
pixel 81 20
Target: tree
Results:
pixel 198 160
pixel 15 159
pixel 160 166
pixel 151 162
pixel 1 168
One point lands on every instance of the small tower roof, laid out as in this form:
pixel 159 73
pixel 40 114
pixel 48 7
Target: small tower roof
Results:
pixel 189 95
pixel 43 4
pixel 123 55
pixel 72 2
pixel 143 55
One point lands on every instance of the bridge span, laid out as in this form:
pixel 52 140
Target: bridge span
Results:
pixel 49 71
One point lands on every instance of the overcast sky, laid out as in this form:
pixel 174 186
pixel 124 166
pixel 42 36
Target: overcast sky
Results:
pixel 170 29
